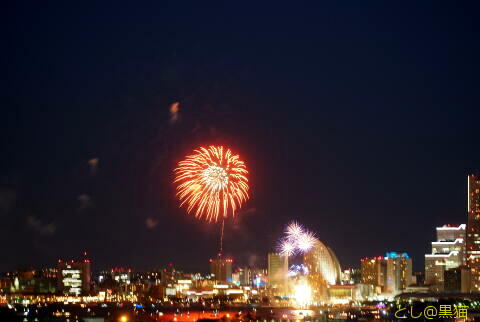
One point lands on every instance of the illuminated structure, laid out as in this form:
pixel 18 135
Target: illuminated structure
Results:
pixel 121 275
pixel 324 269
pixel 344 294
pixel 73 277
pixel 277 272
pixel 473 230
pixel 351 276
pixel 221 268
pixel 245 276
pixel 374 272
pixel 399 272
pixel 447 252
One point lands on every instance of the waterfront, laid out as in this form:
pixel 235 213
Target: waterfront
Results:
pixel 151 312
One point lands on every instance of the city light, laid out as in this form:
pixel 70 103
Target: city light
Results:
pixel 302 294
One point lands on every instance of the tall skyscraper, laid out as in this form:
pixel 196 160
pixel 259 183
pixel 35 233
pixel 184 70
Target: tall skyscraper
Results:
pixel 374 272
pixel 74 277
pixel 448 252
pixel 473 230
pixel 399 272
pixel 277 272
pixel 221 268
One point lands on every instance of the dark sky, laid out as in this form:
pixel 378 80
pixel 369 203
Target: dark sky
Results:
pixel 360 120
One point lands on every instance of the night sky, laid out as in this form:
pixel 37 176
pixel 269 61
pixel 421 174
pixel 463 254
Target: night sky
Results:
pixel 360 120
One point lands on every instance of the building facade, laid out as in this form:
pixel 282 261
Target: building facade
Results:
pixel 73 277
pixel 277 273
pixel 448 252
pixel 374 272
pixel 473 230
pixel 221 268
pixel 324 270
pixel 399 272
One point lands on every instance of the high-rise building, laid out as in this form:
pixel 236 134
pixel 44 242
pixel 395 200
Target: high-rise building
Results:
pixel 277 271
pixel 121 275
pixel 448 252
pixel 73 277
pixel 399 272
pixel 243 276
pixel 221 268
pixel 374 272
pixel 473 230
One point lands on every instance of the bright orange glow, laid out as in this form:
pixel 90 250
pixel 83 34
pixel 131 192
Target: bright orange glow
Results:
pixel 213 181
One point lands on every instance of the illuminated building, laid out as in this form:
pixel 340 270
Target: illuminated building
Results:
pixel 221 268
pixel 399 272
pixel 351 276
pixel 121 276
pixel 447 252
pixel 324 270
pixel 344 294
pixel 73 277
pixel 169 275
pixel 374 272
pixel 29 282
pixel 473 230
pixel 243 276
pixel 277 272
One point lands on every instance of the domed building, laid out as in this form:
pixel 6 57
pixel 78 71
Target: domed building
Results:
pixel 324 269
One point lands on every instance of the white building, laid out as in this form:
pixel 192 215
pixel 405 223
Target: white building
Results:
pixel 447 252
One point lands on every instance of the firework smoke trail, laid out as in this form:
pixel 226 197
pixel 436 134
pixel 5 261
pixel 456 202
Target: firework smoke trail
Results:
pixel 221 238
pixel 212 182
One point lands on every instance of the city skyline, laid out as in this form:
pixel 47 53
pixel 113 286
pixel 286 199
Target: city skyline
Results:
pixel 362 127
pixel 450 247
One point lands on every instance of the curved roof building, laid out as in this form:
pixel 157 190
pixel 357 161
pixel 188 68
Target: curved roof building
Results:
pixel 323 264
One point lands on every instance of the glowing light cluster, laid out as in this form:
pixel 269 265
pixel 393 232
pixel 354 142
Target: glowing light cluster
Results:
pixel 297 240
pixel 213 181
pixel 296 270
pixel 303 294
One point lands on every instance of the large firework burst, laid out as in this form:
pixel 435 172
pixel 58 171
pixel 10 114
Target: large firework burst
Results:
pixel 213 181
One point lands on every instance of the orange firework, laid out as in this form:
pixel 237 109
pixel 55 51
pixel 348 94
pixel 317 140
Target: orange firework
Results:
pixel 213 181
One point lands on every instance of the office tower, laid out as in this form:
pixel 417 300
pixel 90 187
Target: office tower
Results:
pixel 74 277
pixel 221 268
pixel 399 272
pixel 374 272
pixel 473 230
pixel 277 271
pixel 448 252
